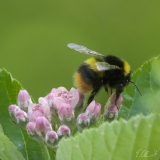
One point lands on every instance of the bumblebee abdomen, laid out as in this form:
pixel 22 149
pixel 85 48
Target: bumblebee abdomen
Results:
pixel 85 78
pixel 81 84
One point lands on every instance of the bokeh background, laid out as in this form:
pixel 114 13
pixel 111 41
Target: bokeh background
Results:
pixel 34 37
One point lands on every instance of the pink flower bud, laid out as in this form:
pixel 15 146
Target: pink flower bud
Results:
pixel 45 108
pixel 83 121
pixel 13 109
pixel 23 96
pixel 112 100
pixel 53 90
pixel 112 106
pixel 30 127
pixel 77 98
pixel 111 113
pixel 63 131
pixel 42 126
pixel 51 138
pixel 24 99
pixel 65 112
pixel 21 116
pixel 57 102
pixel 93 111
pixel 50 98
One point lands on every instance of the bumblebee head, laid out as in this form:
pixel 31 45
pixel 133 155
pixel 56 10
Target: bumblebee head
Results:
pixel 127 78
pixel 127 73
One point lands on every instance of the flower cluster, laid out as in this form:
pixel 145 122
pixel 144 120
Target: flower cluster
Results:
pixel 59 114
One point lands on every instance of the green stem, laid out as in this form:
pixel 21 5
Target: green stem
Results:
pixel 45 151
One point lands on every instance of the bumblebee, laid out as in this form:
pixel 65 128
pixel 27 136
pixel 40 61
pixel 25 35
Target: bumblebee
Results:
pixel 101 71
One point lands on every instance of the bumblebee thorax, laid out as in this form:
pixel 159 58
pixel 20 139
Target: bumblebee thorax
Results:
pixel 91 62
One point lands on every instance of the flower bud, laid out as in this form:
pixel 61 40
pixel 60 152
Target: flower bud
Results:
pixel 51 138
pixel 93 111
pixel 24 99
pixel 13 109
pixel 42 126
pixel 81 98
pixel 112 106
pixel 31 130
pixel 79 106
pixel 30 127
pixel 83 121
pixel 112 100
pixel 77 98
pixel 65 112
pixel 63 131
pixel 45 108
pixel 50 98
pixel 21 116
pixel 111 113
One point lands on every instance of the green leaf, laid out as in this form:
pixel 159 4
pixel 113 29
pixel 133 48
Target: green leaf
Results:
pixel 30 149
pixel 119 140
pixel 7 150
pixel 147 78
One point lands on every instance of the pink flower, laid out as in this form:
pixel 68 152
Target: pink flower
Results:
pixel 112 106
pixel 111 113
pixel 83 118
pixel 93 109
pixel 77 94
pixel 13 109
pixel 42 126
pixel 51 138
pixel 50 98
pixel 112 100
pixel 61 95
pixel 30 127
pixel 20 115
pixel 39 110
pixel 63 131
pixel 83 121
pixel 46 108
pixel 24 99
pixel 34 111
pixel 65 112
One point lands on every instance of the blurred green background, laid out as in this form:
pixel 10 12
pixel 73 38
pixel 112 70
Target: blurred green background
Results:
pixel 34 37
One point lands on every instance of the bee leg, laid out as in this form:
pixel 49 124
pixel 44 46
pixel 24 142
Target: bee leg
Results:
pixel 106 88
pixel 119 90
pixel 94 92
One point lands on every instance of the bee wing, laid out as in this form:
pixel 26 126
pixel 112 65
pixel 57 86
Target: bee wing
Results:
pixel 103 66
pixel 83 49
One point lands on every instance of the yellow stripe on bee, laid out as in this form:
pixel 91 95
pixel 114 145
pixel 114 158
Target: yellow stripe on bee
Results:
pixel 127 68
pixel 92 64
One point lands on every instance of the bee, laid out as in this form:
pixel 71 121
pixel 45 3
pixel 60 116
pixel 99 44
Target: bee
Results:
pixel 101 71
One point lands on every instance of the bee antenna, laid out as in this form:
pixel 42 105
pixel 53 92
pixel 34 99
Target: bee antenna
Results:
pixel 136 87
